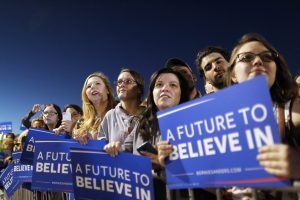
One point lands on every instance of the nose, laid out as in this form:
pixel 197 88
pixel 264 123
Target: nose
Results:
pixel 165 87
pixel 216 66
pixel 257 60
pixel 92 85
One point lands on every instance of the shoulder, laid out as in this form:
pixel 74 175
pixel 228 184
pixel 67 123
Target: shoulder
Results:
pixel 109 114
pixel 296 112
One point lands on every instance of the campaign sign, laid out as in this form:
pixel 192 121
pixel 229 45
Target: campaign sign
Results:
pixel 22 127
pixel 5 127
pixel 71 196
pixel 10 184
pixel 29 146
pixel 97 175
pixel 22 172
pixel 2 159
pixel 2 170
pixel 216 138
pixel 52 169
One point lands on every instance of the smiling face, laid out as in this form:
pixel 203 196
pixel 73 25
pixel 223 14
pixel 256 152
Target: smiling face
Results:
pixel 96 90
pixel 166 92
pixel 254 59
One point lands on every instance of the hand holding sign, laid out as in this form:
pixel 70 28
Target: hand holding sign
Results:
pixel 113 148
pixel 281 160
pixel 164 150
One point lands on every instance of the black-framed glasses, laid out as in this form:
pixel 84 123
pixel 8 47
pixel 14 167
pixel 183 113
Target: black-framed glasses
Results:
pixel 125 81
pixel 49 113
pixel 266 56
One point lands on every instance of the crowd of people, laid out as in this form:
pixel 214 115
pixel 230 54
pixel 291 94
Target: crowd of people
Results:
pixel 128 120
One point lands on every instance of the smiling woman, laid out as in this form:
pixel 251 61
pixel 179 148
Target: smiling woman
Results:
pixel 97 99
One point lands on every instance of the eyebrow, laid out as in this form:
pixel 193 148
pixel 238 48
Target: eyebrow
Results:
pixel 216 59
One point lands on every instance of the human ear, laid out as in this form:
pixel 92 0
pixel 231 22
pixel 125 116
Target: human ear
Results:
pixel 194 78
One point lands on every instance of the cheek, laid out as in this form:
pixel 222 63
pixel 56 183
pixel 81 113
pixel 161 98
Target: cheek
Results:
pixel 240 73
pixel 272 75
pixel 177 98
pixel 208 74
pixel 155 96
pixel 87 92
pixel 54 119
pixel 104 92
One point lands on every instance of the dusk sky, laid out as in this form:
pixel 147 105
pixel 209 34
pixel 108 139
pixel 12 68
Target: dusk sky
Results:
pixel 48 48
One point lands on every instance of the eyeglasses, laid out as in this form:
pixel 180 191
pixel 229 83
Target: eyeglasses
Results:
pixel 49 113
pixel 266 56
pixel 125 81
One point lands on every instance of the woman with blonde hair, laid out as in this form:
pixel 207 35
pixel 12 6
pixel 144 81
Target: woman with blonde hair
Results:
pixel 97 99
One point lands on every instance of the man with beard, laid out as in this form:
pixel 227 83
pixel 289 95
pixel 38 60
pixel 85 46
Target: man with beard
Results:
pixel 212 63
pixel 180 66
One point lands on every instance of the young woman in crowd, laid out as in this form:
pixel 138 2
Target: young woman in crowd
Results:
pixel 37 123
pixel 52 116
pixel 97 99
pixel 120 123
pixel 67 126
pixel 254 56
pixel 167 88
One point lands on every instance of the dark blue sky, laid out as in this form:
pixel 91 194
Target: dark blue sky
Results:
pixel 47 48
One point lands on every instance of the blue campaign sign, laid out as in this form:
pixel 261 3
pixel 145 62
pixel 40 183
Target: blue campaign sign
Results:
pixel 22 172
pixel 1 177
pixel 71 196
pixel 52 163
pixel 5 127
pixel 10 184
pixel 96 174
pixel 29 146
pixel 22 127
pixel 2 159
pixel 16 156
pixel 216 138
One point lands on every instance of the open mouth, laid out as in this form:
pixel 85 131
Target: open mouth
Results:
pixel 164 96
pixel 94 93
